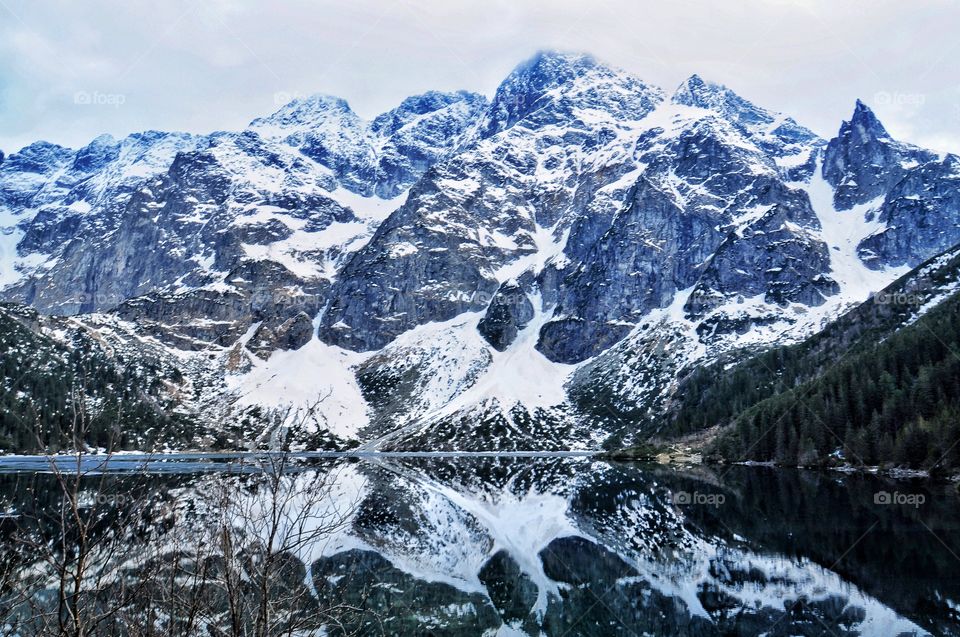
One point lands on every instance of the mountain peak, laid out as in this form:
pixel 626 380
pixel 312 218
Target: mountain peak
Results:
pixel 548 69
pixel 104 139
pixel 39 157
pixel 553 59
pixel 863 161
pixel 865 123
pixel 554 76
pixel 303 112
pixel 96 154
pixel 694 88
pixel 697 92
pixel 321 101
pixel 417 105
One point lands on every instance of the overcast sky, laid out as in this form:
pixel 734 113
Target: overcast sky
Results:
pixel 72 70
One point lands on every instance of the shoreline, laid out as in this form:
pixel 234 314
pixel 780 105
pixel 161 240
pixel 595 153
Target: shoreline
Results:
pixel 126 460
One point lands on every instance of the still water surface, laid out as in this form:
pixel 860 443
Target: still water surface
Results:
pixel 568 545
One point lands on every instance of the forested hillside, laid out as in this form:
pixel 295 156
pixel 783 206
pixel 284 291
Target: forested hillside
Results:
pixel 898 402
pixel 72 392
pixel 879 385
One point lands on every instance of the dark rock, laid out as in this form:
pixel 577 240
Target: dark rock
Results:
pixel 509 311
pixel 863 162
pixel 292 333
pixel 510 589
pixel 363 589
pixel 576 560
pixel 922 216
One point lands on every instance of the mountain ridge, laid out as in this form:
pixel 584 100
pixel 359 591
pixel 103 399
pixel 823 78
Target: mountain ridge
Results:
pixel 580 225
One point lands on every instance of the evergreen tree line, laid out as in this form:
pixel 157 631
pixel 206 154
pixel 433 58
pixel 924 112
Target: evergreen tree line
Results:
pixel 49 391
pixel 872 388
pixel 896 402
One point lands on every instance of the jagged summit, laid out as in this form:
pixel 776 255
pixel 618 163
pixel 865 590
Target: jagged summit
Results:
pixel 518 95
pixel 305 114
pixel 779 135
pixel 416 106
pixel 551 82
pixel 864 123
pixel 33 155
pixel 913 193
pixel 96 154
pixel 103 140
pixel 863 161
pixel 302 107
pixel 696 91
pixel 864 133
pixel 556 66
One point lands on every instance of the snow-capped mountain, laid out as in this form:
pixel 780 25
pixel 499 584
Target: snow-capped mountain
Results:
pixel 910 192
pixel 458 273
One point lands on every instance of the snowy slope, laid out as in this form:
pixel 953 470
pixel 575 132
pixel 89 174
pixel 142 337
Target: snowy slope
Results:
pixel 531 271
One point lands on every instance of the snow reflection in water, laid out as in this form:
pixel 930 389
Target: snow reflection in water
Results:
pixel 572 546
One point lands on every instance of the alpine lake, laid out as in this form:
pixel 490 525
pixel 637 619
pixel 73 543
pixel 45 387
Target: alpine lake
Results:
pixel 485 544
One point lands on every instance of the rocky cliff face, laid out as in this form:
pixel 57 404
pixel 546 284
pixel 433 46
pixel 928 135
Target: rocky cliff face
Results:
pixel 168 211
pixel 557 130
pixel 383 157
pixel 561 251
pixel 911 192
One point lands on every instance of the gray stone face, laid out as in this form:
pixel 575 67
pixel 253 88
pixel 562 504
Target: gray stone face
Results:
pixel 777 137
pixel 169 318
pixel 772 257
pixel 157 240
pixel 509 312
pixel 410 273
pixel 273 335
pixel 922 216
pixel 918 191
pixel 166 214
pixel 420 132
pixel 863 162
pixel 633 268
pixel 475 214
pixel 700 232
pixel 627 225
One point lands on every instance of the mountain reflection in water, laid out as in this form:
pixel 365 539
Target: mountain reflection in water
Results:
pixel 573 546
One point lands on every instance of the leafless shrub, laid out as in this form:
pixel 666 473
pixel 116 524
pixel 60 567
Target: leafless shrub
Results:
pixel 225 554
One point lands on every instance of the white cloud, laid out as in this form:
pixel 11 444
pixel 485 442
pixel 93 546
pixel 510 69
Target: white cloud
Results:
pixel 201 66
